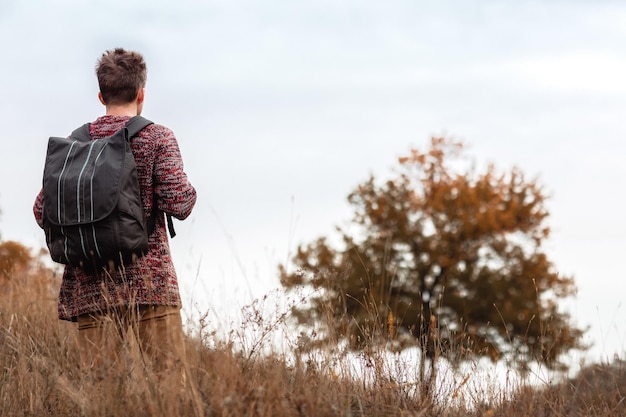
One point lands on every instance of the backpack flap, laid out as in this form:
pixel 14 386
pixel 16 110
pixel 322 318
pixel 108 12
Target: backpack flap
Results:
pixel 75 192
pixel 93 214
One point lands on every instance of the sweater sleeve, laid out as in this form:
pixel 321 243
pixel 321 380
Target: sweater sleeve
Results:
pixel 38 209
pixel 174 193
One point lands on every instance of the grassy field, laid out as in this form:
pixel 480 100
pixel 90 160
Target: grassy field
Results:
pixel 243 374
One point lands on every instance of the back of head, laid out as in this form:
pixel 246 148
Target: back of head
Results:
pixel 121 74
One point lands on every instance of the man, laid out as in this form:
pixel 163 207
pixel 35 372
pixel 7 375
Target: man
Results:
pixel 143 295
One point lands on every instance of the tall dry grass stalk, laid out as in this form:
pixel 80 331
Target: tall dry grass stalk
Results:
pixel 248 374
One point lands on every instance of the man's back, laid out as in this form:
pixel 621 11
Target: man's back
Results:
pixel 144 294
pixel 165 188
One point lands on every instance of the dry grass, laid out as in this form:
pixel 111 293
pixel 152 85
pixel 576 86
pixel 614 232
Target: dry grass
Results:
pixel 244 375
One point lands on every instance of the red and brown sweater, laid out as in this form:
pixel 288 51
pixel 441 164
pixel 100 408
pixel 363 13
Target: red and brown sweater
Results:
pixel 151 280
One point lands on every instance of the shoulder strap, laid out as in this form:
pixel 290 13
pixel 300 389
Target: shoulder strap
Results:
pixel 169 219
pixel 136 125
pixel 170 225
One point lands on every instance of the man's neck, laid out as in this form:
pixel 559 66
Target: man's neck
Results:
pixel 122 110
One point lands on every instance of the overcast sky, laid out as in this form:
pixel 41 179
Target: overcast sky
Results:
pixel 281 108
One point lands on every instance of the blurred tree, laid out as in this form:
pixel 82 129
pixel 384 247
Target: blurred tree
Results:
pixel 26 283
pixel 444 257
pixel 14 258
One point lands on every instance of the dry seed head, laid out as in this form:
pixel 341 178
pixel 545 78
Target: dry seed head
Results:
pixel 391 322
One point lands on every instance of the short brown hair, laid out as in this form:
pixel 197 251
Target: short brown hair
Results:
pixel 121 74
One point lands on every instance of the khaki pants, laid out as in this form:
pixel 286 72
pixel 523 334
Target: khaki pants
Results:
pixel 105 339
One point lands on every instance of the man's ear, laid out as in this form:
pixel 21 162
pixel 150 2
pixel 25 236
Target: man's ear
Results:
pixel 141 95
pixel 100 98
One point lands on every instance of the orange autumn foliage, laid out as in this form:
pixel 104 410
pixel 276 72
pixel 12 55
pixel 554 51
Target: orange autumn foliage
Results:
pixel 453 253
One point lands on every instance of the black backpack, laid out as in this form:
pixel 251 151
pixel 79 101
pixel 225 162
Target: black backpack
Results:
pixel 93 215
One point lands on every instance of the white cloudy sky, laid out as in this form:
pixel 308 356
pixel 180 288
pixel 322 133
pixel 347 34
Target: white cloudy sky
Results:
pixel 282 107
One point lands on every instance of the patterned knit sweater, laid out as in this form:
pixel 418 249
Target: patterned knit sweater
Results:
pixel 151 280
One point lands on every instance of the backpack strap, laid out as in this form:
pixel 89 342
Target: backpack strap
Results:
pixel 170 225
pixel 134 126
pixel 152 220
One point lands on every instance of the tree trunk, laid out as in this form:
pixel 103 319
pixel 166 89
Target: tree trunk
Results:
pixel 428 338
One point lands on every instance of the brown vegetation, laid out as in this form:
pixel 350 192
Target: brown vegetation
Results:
pixel 444 256
pixel 40 374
